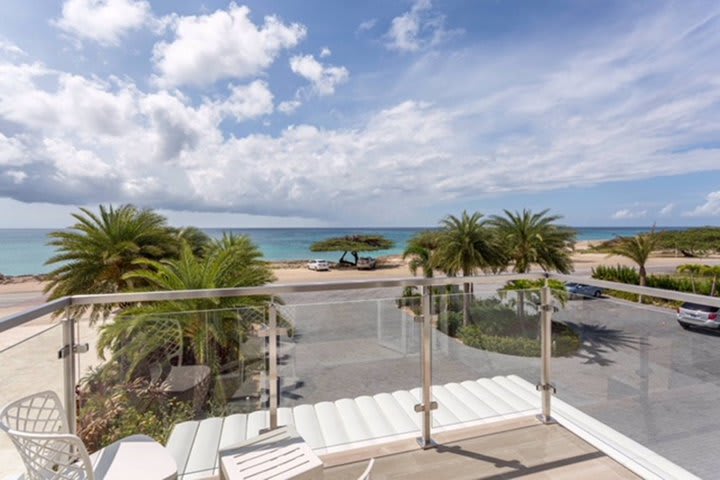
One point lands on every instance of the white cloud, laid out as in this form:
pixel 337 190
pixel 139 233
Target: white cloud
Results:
pixel 288 107
pixel 531 118
pixel 325 52
pixel 667 209
pixel 248 101
pixel 417 28
pixel 103 21
pixel 367 25
pixel 12 152
pixel 72 163
pixel 627 214
pixel 223 44
pixel 10 48
pixel 17 176
pixel 710 208
pixel 323 78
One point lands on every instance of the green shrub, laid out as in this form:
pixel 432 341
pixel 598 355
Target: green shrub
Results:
pixel 565 344
pixel 618 273
pixel 450 323
pixel 110 409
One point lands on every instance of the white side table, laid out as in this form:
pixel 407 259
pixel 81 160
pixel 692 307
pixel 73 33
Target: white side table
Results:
pixel 278 455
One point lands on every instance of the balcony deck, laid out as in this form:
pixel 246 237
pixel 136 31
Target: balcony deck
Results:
pixel 520 448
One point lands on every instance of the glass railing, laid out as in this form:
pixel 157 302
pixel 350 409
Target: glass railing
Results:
pixel 347 370
pixel 157 369
pixel 640 373
pixel 29 366
pixel 480 339
pixel 350 366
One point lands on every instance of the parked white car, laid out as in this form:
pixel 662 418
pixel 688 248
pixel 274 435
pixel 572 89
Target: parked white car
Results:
pixel 318 265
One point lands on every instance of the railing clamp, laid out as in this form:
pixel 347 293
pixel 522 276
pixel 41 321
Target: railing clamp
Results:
pixel 64 352
pixel 419 408
pixel 267 332
pixel 547 307
pixel 548 386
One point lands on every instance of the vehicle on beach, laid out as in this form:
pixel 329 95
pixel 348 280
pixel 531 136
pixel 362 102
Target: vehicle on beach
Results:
pixel 582 290
pixel 318 265
pixel 366 263
pixel 693 314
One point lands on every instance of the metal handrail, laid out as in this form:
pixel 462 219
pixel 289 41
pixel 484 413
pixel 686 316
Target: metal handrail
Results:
pixel 277 289
pixel 648 291
pixel 265 290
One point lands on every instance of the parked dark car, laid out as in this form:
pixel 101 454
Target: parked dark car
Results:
pixel 693 314
pixel 582 290
pixel 366 263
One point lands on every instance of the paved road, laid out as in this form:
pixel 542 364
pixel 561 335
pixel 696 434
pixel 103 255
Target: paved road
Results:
pixel 638 371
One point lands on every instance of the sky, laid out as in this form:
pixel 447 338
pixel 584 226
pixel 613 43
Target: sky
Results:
pixel 376 113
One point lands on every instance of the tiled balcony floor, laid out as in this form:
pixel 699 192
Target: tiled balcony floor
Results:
pixel 516 449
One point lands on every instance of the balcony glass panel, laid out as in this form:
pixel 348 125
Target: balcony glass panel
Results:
pixel 347 370
pixel 155 370
pixel 642 374
pixel 479 339
pixel 28 365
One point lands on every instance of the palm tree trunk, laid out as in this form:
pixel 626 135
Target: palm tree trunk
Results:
pixel 714 286
pixel 520 307
pixel 643 280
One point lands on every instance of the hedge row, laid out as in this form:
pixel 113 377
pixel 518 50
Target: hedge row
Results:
pixel 630 276
pixel 563 345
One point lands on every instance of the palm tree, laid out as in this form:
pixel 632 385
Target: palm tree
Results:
pixel 693 269
pixel 209 325
pixel 714 272
pixel 465 246
pixel 535 238
pixel 193 236
pixel 96 253
pixel 420 249
pixel 637 249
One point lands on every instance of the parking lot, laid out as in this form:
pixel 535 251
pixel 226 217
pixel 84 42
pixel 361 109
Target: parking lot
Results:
pixel 637 370
pixel 643 375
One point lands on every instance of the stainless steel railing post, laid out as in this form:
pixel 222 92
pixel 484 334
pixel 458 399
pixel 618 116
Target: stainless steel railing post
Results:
pixel 545 386
pixel 427 405
pixel 274 389
pixel 67 355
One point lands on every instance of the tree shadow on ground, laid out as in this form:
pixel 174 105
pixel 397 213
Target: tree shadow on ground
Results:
pixel 600 340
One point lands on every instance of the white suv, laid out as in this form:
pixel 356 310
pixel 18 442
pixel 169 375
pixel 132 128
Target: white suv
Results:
pixel 318 265
pixel 689 314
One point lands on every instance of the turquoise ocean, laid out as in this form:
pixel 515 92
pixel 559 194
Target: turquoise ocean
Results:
pixel 25 251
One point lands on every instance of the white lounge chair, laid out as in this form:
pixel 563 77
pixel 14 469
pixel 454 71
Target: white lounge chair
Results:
pixel 37 426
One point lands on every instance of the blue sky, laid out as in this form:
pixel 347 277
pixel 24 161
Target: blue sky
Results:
pixel 383 113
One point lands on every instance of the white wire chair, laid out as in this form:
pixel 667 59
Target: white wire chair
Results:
pixel 37 426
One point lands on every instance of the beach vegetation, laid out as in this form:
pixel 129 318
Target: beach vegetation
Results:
pixel 420 249
pixel 353 244
pixel 637 249
pixel 208 324
pixel 535 238
pixel 95 254
pixel 198 240
pixel 465 246
pixel 691 242
pixel 496 327
pixel 111 409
